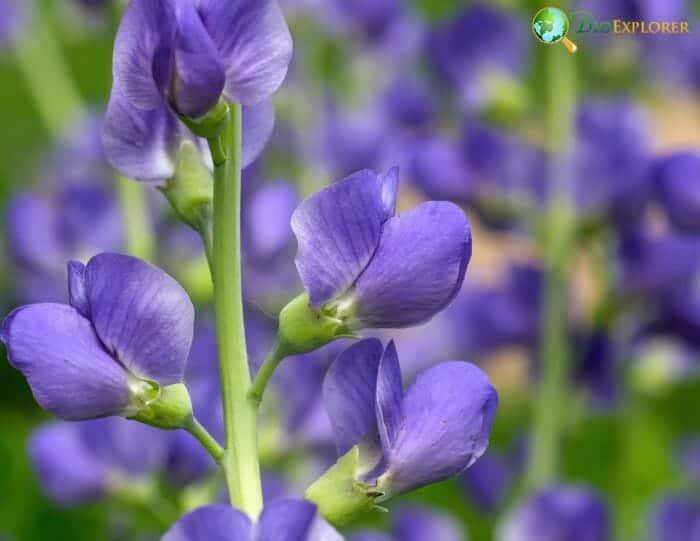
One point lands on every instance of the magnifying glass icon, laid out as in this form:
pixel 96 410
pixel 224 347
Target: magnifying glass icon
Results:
pixel 551 25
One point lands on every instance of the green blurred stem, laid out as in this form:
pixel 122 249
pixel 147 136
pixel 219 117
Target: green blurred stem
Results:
pixel 240 461
pixel 46 74
pixel 553 394
pixel 139 230
pixel 274 358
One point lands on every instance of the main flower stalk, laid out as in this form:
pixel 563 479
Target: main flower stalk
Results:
pixel 240 461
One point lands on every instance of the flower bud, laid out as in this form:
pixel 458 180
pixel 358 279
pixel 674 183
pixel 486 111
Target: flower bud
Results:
pixel 191 189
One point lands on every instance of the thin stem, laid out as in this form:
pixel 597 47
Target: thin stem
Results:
pixel 40 60
pixel 240 461
pixel 552 395
pixel 206 439
pixel 139 234
pixel 274 358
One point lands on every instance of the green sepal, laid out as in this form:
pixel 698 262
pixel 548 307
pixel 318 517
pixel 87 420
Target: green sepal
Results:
pixel 171 409
pixel 211 125
pixel 191 189
pixel 340 497
pixel 303 329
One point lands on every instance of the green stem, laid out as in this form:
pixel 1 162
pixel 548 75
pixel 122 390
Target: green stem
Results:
pixel 139 234
pixel 553 393
pixel 45 72
pixel 240 461
pixel 207 440
pixel 274 358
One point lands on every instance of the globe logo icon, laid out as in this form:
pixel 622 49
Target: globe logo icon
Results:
pixel 551 25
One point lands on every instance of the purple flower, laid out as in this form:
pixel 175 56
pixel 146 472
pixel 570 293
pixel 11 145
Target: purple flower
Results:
pixel 488 318
pixel 123 338
pixel 559 513
pixel 268 243
pixel 436 429
pixel 612 159
pixel 479 42
pixel 675 518
pixel 13 14
pixel 78 462
pixel 43 231
pixel 417 524
pixel 440 169
pixel 408 102
pixel 371 16
pixel 488 481
pixel 294 520
pixel 366 267
pixel 178 57
pixel 678 185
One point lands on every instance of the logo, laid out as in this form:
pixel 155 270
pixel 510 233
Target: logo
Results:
pixel 551 25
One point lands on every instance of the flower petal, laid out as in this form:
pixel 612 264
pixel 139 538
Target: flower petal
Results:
pixel 199 74
pixel 349 391
pixel 258 122
pixel 140 144
pixel 418 267
pixel 212 523
pixel 448 414
pixel 338 229
pixel 70 373
pixel 142 52
pixel 76 288
pixel 389 396
pixel 77 479
pixel 255 43
pixel 142 316
pixel 294 520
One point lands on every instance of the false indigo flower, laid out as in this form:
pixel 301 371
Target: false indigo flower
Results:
pixel 119 348
pixel 675 518
pixel 13 15
pixel 478 43
pixel 440 169
pixel 678 185
pixel 417 524
pixel 74 222
pixel 368 268
pixel 294 520
pixel 78 462
pixel 612 160
pixel 559 513
pixel 188 53
pixel 400 441
pixel 177 57
pixel 488 481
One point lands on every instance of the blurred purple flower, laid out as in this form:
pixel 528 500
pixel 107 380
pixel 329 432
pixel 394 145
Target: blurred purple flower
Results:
pixel 370 16
pixel 268 243
pixel 289 519
pixel 177 57
pixel 78 462
pixel 479 42
pixel 370 268
pixel 417 524
pixel 408 102
pixel 486 319
pixel 612 160
pixel 13 16
pixel 43 232
pixel 433 431
pixel 677 180
pixel 488 481
pixel 127 330
pixel 440 169
pixel 559 513
pixel 597 367
pixel 675 518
